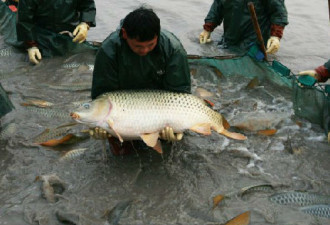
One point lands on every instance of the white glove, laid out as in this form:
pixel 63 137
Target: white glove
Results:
pixel 311 73
pixel 168 134
pixel 273 45
pixel 34 55
pixel 204 37
pixel 80 32
pixel 99 133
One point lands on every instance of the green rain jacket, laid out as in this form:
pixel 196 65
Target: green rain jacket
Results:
pixel 237 23
pixel 42 20
pixel 117 67
pixel 5 104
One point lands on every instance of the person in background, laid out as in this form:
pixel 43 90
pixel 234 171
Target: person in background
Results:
pixel 238 26
pixel 40 22
pixel 321 73
pixel 139 55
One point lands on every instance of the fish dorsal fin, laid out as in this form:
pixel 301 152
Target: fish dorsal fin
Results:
pixel 233 135
pixel 225 123
pixel 150 139
pixel 158 147
pixel 202 128
pixel 110 123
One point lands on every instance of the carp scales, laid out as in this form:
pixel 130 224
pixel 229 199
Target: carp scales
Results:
pixel 133 115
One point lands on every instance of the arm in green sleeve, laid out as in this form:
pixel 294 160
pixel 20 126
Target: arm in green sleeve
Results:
pixel 215 14
pixel 177 76
pixel 278 12
pixel 88 12
pixel 105 77
pixel 327 65
pixel 26 24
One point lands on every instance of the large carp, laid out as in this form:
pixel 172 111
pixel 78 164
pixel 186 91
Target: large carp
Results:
pixel 131 115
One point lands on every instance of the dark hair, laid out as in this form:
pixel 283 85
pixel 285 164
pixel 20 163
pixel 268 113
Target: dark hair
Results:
pixel 142 24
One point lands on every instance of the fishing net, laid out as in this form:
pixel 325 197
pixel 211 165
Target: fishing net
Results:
pixel 310 99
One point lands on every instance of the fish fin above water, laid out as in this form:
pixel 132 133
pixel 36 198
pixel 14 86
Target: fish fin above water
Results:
pixel 150 139
pixel 158 147
pixel 233 135
pixel 242 219
pixel 225 123
pixel 202 128
pixel 110 123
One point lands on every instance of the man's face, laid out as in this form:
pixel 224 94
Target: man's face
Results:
pixel 138 47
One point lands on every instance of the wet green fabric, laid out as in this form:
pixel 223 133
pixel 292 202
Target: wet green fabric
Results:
pixel 327 65
pixel 237 23
pixel 5 104
pixel 41 21
pixel 8 26
pixel 117 67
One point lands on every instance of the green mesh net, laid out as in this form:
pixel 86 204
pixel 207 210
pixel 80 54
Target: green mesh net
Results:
pixel 311 99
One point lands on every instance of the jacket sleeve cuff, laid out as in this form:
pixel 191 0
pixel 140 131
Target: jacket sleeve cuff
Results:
pixel 323 73
pixel 30 44
pixel 276 30
pixel 209 26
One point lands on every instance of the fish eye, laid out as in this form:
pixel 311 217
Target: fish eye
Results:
pixel 86 105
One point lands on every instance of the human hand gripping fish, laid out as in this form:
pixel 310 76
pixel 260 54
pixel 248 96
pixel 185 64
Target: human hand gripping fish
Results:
pixel 133 115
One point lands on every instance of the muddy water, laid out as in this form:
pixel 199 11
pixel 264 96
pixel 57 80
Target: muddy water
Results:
pixel 178 188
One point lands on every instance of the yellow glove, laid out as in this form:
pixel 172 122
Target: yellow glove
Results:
pixel 311 73
pixel 80 32
pixel 34 55
pixel 273 45
pixel 99 133
pixel 204 37
pixel 168 134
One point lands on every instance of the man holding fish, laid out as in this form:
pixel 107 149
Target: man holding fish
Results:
pixel 139 55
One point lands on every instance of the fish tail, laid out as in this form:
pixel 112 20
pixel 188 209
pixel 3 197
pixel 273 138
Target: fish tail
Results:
pixel 232 135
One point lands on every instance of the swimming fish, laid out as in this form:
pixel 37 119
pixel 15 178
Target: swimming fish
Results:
pixel 72 154
pixel 131 115
pixel 317 210
pixel 299 198
pixel 242 219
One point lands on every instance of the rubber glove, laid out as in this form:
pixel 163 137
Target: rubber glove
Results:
pixel 273 45
pixel 311 73
pixel 80 32
pixel 34 55
pixel 204 37
pixel 168 134
pixel 99 133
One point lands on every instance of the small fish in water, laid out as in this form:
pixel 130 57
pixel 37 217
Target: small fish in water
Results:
pixel 298 198
pixel 73 154
pixel 55 142
pixel 317 210
pixel 268 132
pixel 51 185
pixel 72 87
pixel 37 102
pixel 51 113
pixel 8 131
pixel 71 65
pixel 134 115
pixel 257 188
pixel 113 216
pixel 242 219
pixel 5 52
pixel 203 93
pixel 51 133
pixel 253 83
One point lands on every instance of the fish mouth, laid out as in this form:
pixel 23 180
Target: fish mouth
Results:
pixel 74 115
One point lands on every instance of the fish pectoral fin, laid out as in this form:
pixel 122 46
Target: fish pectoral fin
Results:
pixel 158 147
pixel 233 135
pixel 203 128
pixel 110 123
pixel 150 139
